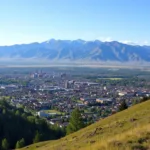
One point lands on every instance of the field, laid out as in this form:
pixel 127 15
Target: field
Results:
pixel 5 97
pixel 127 130
pixel 112 78
pixel 52 111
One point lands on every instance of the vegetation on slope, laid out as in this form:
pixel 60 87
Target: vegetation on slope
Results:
pixel 76 122
pixel 126 130
pixel 18 128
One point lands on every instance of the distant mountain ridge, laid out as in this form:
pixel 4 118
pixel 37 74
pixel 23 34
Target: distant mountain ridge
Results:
pixel 77 50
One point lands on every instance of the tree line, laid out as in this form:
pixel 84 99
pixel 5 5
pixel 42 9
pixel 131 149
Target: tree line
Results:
pixel 18 128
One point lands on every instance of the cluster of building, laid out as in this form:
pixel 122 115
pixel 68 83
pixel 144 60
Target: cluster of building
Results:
pixel 44 92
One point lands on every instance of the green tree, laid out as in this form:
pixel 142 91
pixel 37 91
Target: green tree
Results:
pixel 123 106
pixel 135 101
pixel 14 124
pixel 76 122
pixel 144 99
pixel 24 115
pixel 4 111
pixel 37 138
pixel 5 144
pixel 20 143
pixel 17 113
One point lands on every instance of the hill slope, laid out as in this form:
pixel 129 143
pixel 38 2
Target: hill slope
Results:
pixel 127 130
pixel 16 124
pixel 76 51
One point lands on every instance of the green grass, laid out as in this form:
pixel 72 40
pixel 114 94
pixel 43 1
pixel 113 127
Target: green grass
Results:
pixel 112 78
pixel 126 130
pixel 79 101
pixel 5 97
pixel 52 111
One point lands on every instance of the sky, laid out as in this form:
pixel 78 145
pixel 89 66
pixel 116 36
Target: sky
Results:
pixel 27 21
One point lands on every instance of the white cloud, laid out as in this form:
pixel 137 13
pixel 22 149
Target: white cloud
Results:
pixel 129 42
pixel 109 39
pixel 146 43
pixel 141 43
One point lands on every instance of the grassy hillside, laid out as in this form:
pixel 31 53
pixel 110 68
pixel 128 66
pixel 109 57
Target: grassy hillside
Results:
pixel 127 130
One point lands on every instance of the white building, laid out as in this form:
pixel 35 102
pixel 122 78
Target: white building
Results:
pixel 42 114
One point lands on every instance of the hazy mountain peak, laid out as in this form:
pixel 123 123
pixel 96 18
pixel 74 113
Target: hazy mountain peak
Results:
pixel 78 50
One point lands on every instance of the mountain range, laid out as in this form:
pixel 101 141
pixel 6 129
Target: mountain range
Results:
pixel 78 51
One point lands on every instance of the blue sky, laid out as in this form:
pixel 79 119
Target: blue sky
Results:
pixel 26 21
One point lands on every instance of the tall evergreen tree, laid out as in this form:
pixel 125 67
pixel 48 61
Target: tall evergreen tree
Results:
pixel 123 106
pixel 76 122
pixel 5 144
pixel 144 99
pixel 37 138
pixel 20 143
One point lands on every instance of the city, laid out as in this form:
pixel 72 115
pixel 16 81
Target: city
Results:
pixel 53 94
